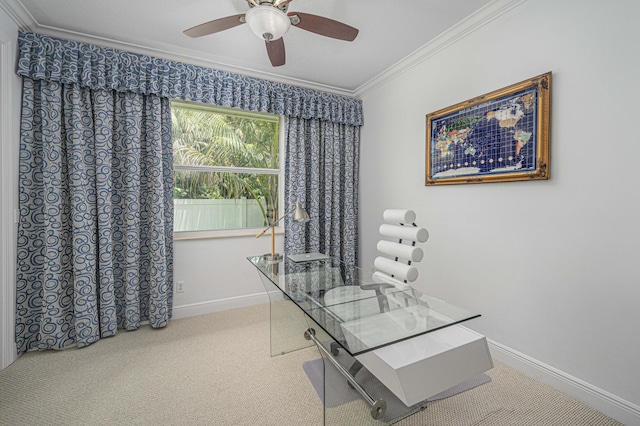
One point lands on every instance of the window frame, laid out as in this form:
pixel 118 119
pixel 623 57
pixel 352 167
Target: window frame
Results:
pixel 240 232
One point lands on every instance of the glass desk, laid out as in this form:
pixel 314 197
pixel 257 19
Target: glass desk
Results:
pixel 352 316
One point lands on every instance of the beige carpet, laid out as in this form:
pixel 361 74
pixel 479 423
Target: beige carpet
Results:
pixel 216 370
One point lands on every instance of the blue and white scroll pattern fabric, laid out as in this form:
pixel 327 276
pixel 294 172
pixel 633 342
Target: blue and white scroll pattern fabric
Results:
pixel 61 79
pixel 321 172
pixel 49 58
pixel 95 243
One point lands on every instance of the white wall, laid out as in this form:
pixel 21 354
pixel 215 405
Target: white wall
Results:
pixel 10 95
pixel 217 275
pixel 551 265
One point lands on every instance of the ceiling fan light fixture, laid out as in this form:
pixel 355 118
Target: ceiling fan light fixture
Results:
pixel 268 22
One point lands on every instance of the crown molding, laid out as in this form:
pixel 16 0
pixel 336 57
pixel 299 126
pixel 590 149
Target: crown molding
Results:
pixel 26 22
pixel 18 14
pixel 463 29
pixel 174 53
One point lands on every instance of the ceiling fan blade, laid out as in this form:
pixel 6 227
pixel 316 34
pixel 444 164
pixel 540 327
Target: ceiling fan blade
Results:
pixel 275 50
pixel 325 26
pixel 215 26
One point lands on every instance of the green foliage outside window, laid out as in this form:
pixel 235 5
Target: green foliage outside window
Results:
pixel 215 151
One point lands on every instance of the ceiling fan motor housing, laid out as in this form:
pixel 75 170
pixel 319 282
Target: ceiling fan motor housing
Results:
pixel 282 5
pixel 268 19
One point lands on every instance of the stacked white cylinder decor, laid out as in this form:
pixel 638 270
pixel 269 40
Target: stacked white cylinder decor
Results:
pixel 398 247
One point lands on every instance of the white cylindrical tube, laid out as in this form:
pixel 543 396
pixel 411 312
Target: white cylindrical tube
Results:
pixel 403 251
pixel 411 233
pixel 397 269
pixel 399 216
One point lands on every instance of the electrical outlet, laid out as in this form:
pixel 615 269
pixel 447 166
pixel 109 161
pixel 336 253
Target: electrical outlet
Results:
pixel 180 286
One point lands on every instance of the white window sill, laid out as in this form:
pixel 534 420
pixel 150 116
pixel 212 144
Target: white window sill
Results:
pixel 226 233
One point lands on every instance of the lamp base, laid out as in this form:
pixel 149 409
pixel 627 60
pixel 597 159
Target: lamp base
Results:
pixel 276 257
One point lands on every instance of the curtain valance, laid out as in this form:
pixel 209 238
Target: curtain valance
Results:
pixel 65 61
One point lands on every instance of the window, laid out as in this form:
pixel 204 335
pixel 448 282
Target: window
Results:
pixel 226 168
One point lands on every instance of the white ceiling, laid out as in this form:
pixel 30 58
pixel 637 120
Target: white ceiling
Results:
pixel 389 32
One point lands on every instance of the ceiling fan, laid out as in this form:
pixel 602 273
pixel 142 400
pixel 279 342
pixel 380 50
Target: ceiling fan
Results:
pixel 269 20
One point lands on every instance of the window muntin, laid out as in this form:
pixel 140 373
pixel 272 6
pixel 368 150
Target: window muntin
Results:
pixel 226 168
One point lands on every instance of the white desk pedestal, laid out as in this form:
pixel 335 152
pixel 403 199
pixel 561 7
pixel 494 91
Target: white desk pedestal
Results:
pixel 423 366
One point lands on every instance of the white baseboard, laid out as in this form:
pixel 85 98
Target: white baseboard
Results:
pixel 211 306
pixel 622 410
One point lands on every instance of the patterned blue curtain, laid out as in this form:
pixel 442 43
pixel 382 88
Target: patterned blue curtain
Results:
pixel 322 173
pixel 95 233
pixel 95 244
pixel 49 58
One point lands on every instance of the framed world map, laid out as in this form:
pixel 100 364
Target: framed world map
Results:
pixel 500 136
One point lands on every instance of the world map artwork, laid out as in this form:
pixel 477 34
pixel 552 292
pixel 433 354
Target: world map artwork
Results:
pixel 489 138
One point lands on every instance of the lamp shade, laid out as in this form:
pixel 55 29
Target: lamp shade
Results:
pixel 267 22
pixel 300 214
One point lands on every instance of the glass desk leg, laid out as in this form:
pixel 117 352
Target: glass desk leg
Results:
pixel 287 325
pixel 352 395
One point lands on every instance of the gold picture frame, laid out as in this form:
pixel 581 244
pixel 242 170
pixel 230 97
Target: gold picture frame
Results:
pixel 501 136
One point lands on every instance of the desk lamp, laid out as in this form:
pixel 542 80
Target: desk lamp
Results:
pixel 299 215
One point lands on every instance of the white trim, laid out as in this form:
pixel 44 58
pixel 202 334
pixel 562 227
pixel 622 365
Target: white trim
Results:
pixel 282 162
pixel 459 31
pixel 483 16
pixel 613 406
pixel 211 306
pixel 7 262
pixel 18 14
pixel 222 233
pixel 21 16
pixel 225 169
